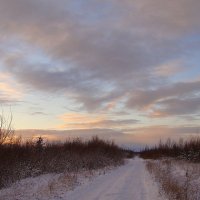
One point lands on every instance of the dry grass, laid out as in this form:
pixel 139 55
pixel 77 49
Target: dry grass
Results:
pixel 178 180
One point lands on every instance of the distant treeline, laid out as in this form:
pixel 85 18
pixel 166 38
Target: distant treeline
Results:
pixel 187 150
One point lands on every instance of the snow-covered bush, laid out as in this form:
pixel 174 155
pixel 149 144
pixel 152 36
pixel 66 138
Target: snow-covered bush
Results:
pixel 30 159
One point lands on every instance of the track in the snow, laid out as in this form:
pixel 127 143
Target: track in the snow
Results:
pixel 129 182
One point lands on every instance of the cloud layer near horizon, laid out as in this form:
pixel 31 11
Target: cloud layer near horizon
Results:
pixel 140 137
pixel 139 58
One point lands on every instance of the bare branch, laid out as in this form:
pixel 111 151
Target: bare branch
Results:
pixel 6 130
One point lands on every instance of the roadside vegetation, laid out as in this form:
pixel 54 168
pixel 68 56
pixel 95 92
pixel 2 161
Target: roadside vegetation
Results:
pixel 175 166
pixel 19 160
pixel 184 150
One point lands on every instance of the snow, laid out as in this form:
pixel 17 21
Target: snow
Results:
pixel 176 178
pixel 41 188
pixel 127 182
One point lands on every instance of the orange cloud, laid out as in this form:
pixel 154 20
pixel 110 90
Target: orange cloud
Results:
pixel 90 121
pixel 169 69
pixel 80 120
pixel 8 88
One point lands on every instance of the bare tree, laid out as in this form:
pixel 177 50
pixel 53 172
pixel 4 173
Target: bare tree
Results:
pixel 6 131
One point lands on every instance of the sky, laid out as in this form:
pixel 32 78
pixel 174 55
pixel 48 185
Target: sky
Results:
pixel 109 67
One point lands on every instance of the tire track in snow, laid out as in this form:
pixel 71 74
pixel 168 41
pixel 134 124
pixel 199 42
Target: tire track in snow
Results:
pixel 128 182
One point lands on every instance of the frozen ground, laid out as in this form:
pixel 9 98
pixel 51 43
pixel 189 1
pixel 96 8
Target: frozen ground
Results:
pixel 128 182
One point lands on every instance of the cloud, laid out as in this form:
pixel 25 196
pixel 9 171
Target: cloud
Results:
pixel 123 51
pixel 140 137
pixel 178 98
pixel 176 106
pixel 38 113
pixel 162 18
pixel 10 92
pixel 92 121
pixel 169 69
pixel 153 134
pixel 101 124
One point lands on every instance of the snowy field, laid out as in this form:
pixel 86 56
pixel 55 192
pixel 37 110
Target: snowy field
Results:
pixel 127 182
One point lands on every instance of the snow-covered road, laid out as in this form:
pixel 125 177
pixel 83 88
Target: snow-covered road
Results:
pixel 129 182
